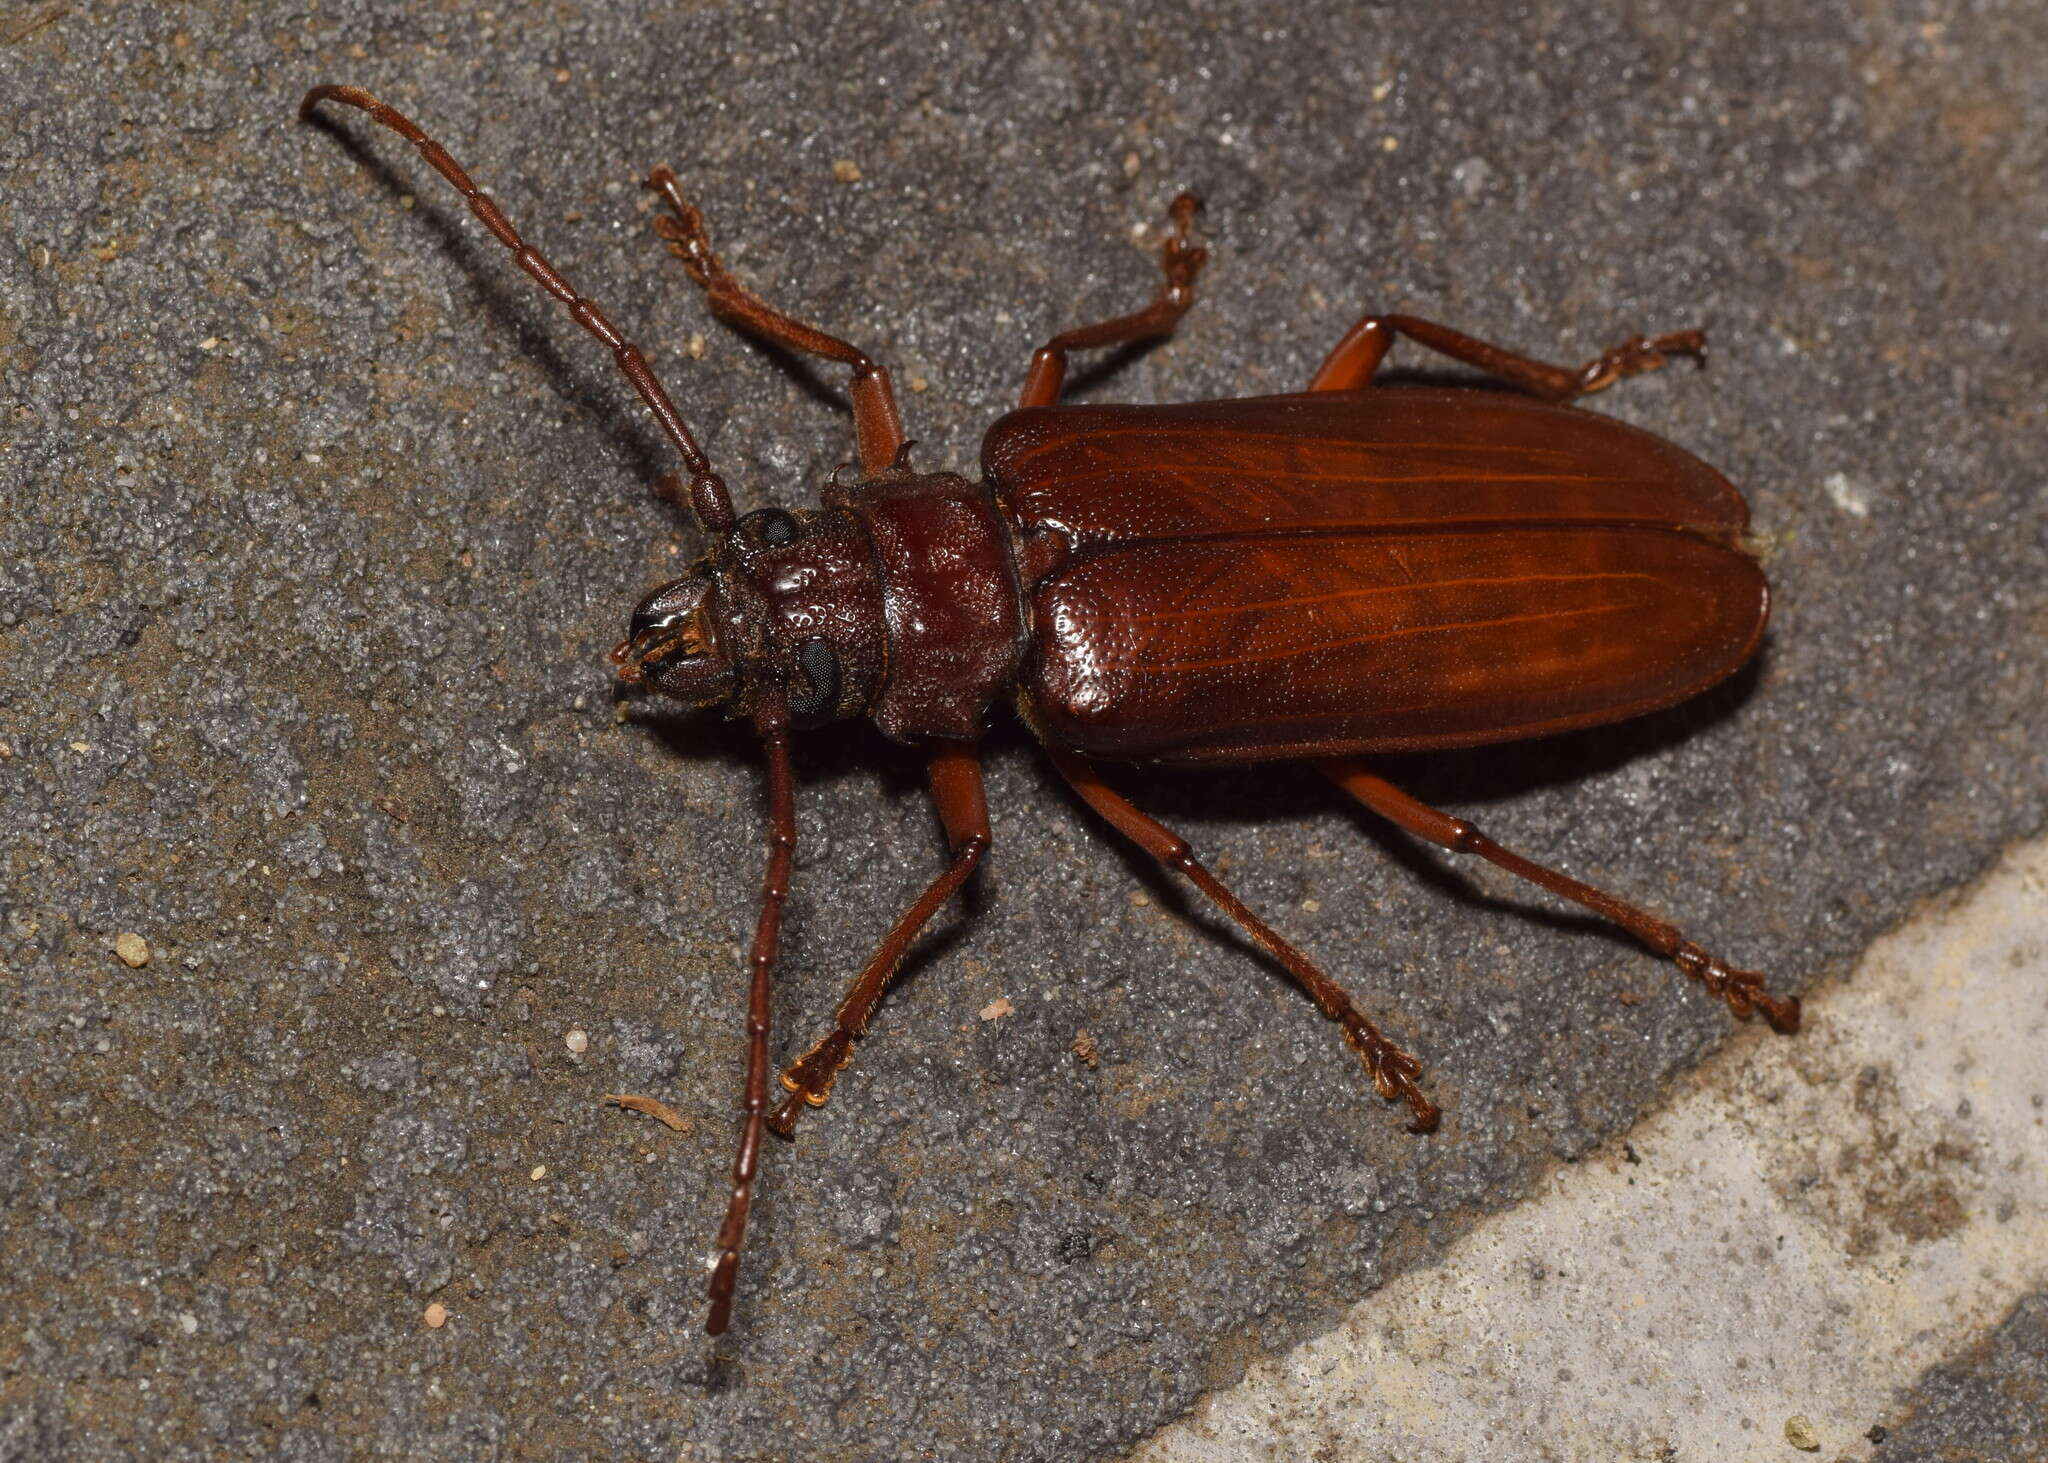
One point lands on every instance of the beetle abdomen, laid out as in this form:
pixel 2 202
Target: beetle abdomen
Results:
pixel 1371 571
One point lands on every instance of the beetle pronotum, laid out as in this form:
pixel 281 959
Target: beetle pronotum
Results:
pixel 1349 570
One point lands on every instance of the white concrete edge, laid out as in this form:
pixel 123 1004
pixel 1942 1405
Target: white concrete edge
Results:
pixel 1811 1225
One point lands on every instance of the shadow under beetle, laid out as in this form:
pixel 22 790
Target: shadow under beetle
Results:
pixel 1349 570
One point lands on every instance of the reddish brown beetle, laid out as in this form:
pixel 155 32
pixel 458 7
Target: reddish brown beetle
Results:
pixel 1350 570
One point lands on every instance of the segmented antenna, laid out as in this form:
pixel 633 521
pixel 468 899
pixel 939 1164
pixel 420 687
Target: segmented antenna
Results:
pixel 708 497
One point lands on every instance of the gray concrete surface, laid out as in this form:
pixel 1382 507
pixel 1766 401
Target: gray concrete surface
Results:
pixel 1989 1404
pixel 318 520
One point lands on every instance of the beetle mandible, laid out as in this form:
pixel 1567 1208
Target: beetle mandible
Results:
pixel 1349 570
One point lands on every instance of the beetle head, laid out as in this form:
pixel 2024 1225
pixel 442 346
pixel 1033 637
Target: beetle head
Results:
pixel 673 643
pixel 784 603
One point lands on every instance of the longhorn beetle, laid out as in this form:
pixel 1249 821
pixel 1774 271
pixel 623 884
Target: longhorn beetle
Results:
pixel 1349 570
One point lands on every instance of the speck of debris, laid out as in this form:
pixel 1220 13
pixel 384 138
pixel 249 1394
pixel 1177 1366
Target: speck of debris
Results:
pixel 1628 1152
pixel 540 1171
pixel 1628 998
pixel 846 170
pixel 132 949
pixel 577 1040
pixel 1084 1048
pixel 997 1009
pixel 1878 1432
pixel 659 1111
pixel 436 1316
pixel 562 74
pixel 918 383
pixel 697 347
pixel 1800 1434
pixel 1389 144
pixel 1312 906
pixel 1846 495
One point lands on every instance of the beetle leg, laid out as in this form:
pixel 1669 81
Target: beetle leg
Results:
pixel 1392 1070
pixel 772 722
pixel 1180 260
pixel 1358 355
pixel 963 810
pixel 1743 990
pixel 877 425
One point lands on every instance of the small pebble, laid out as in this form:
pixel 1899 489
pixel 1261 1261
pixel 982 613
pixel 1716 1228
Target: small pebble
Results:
pixel 577 1040
pixel 133 950
pixel 436 1316
pixel 540 1171
pixel 846 170
pixel 1800 1434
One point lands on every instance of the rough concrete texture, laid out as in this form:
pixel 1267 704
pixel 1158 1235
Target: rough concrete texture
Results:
pixel 1771 1258
pixel 319 519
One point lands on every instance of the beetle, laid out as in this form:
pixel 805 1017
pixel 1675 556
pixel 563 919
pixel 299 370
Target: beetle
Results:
pixel 1348 570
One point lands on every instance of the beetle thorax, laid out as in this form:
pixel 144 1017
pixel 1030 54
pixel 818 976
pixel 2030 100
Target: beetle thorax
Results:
pixel 897 600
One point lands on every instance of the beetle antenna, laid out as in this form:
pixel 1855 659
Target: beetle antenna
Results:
pixel 771 720
pixel 708 497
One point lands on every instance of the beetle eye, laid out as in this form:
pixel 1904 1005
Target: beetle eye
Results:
pixel 769 527
pixel 815 702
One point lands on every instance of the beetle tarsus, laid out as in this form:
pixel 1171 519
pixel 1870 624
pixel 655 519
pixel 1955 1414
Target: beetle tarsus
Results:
pixel 1743 990
pixel 1636 355
pixel 808 1081
pixel 1426 1114
pixel 683 229
pixel 782 1122
pixel 1393 1074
